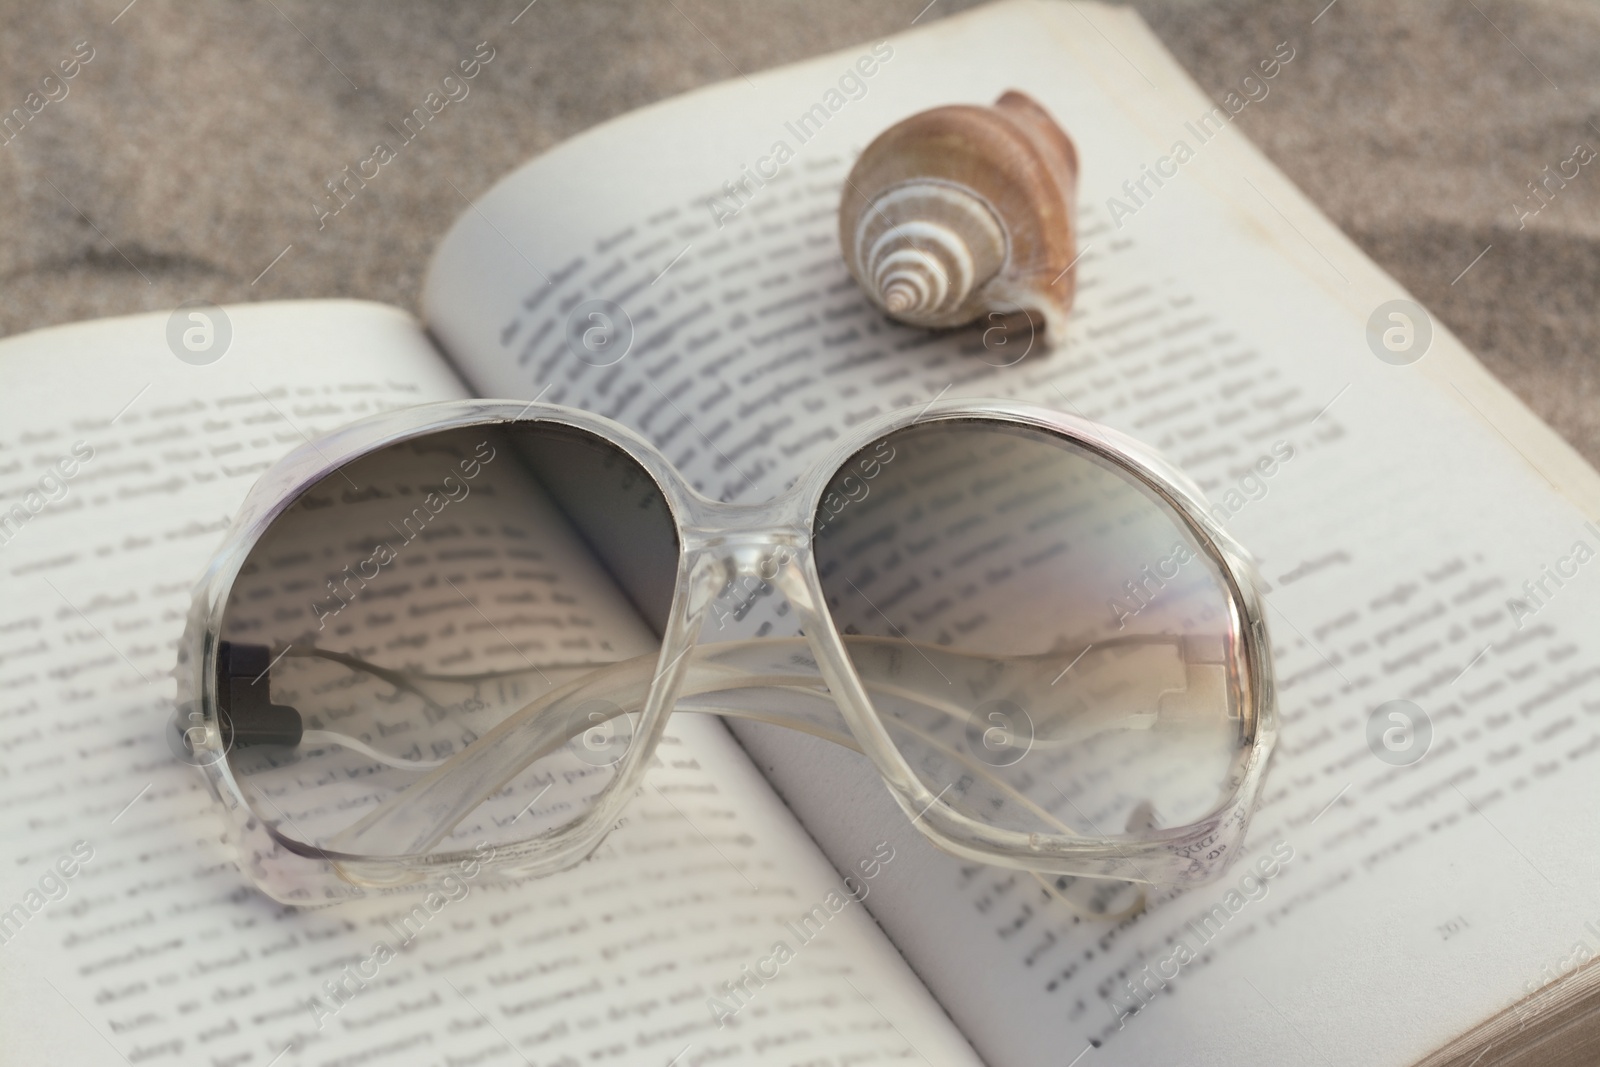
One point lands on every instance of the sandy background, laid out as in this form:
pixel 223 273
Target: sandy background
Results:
pixel 187 151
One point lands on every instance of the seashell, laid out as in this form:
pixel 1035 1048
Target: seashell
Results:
pixel 963 210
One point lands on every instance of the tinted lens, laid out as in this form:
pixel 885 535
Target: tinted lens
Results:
pixel 1048 641
pixel 422 598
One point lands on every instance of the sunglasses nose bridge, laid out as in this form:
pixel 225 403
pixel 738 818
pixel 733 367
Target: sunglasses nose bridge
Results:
pixel 758 554
pixel 753 539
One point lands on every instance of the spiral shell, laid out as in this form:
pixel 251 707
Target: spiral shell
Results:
pixel 962 210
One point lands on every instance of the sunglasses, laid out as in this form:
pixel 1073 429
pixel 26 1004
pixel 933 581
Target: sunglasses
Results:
pixel 453 634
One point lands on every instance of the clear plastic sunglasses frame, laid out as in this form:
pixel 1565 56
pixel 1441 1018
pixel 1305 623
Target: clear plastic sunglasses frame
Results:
pixel 719 543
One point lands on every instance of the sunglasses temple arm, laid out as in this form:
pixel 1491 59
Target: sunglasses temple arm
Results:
pixel 776 700
pixel 418 818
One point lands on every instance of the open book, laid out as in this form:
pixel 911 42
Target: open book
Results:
pixel 1425 538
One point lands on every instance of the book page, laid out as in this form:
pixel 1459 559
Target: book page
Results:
pixel 128 933
pixel 1422 536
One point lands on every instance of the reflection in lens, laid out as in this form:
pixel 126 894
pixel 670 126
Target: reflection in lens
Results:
pixel 1048 641
pixel 409 603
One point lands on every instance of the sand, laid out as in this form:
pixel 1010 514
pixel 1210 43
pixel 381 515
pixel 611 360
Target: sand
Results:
pixel 187 151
